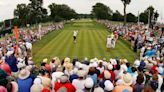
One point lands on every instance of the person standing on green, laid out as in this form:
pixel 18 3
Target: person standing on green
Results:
pixel 112 36
pixel 113 41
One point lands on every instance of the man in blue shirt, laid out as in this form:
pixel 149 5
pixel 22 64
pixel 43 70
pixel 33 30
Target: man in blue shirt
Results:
pixel 11 61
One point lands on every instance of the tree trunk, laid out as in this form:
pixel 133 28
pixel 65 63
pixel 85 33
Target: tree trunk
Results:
pixel 124 14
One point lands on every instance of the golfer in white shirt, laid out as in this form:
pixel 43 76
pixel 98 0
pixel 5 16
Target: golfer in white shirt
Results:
pixel 74 35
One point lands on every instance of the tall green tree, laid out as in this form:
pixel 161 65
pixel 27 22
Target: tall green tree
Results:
pixel 156 15
pixel 21 13
pixel 61 12
pixel 31 13
pixel 131 17
pixel 37 12
pixel 125 3
pixel 117 16
pixel 101 11
pixel 144 17
pixel 149 14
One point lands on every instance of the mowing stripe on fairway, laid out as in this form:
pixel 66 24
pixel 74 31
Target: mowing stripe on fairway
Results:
pixel 86 43
pixel 92 44
pixel 40 44
pixel 49 48
pixel 99 44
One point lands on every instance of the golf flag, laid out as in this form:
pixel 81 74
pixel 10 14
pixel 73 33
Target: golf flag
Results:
pixel 16 32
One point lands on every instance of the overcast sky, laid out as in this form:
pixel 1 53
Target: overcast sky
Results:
pixel 85 6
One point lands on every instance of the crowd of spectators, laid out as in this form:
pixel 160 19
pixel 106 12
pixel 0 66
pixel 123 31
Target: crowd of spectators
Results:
pixel 18 72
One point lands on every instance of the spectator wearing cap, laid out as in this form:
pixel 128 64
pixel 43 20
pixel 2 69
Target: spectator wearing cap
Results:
pixel 88 85
pixel 108 86
pixel 98 89
pixel 31 69
pixel 94 66
pixel 24 81
pixel 55 77
pixel 37 85
pixel 126 82
pixel 107 76
pixel 64 85
pixel 139 87
pixel 79 83
pixel 110 70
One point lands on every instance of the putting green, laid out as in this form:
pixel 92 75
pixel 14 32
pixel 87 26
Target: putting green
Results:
pixel 91 42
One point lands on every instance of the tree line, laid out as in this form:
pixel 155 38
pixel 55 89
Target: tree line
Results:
pixel 101 11
pixel 34 13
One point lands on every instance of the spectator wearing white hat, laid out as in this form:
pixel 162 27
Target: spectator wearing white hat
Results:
pixel 125 86
pixel 24 81
pixel 110 70
pixel 63 85
pixel 98 89
pixel 37 85
pixel 55 77
pixel 79 83
pixel 107 77
pixel 88 85
pixel 108 86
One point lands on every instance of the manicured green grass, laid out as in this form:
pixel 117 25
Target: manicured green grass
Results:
pixel 91 42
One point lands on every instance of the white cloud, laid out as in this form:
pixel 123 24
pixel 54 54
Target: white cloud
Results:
pixel 1 3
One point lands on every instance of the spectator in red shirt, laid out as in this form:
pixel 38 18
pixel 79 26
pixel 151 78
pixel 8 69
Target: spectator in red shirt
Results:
pixel 110 68
pixel 64 85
